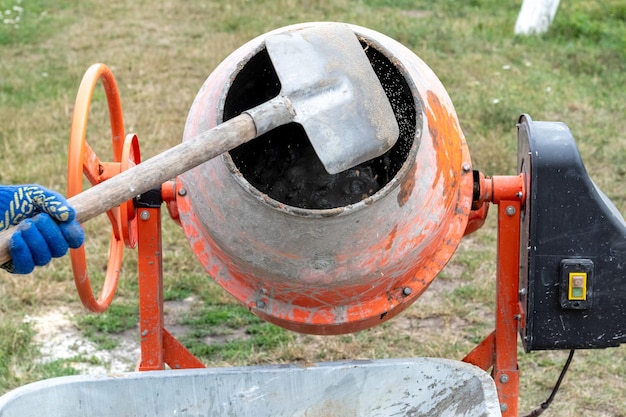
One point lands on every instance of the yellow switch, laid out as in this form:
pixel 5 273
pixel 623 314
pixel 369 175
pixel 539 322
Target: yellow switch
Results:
pixel 577 286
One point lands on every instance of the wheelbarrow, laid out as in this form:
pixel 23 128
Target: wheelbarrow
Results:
pixel 395 387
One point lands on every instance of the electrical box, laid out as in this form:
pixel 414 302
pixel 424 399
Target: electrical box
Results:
pixel 573 247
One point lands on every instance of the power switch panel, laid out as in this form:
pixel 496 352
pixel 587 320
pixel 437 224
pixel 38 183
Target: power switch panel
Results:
pixel 576 284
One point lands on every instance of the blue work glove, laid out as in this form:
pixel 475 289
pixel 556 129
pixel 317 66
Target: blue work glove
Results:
pixel 45 226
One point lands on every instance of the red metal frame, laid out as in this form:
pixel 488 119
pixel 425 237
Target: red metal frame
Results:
pixel 158 346
pixel 498 351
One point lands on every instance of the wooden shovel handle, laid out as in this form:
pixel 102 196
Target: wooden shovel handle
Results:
pixel 153 172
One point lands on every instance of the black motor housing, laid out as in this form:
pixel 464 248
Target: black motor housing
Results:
pixel 573 247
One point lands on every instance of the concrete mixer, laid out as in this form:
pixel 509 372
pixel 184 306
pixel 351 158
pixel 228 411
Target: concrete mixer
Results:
pixel 327 254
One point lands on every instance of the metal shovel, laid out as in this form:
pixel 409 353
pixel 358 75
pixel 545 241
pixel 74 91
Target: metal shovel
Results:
pixel 327 85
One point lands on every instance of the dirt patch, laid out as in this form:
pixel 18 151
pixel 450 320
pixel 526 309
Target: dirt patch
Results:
pixel 59 339
pixel 173 313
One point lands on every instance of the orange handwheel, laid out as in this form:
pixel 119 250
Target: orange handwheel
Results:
pixel 128 221
pixel 83 160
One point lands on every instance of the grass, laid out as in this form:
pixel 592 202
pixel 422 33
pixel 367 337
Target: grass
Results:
pixel 161 52
pixel 18 356
pixel 99 328
pixel 219 343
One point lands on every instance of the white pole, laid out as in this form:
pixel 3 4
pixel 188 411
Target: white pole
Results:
pixel 535 16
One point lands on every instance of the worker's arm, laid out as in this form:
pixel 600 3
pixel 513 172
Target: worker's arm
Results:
pixel 45 226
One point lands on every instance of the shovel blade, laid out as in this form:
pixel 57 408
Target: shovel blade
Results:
pixel 335 94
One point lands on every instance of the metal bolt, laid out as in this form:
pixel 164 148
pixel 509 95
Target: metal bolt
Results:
pixel 510 211
pixel 466 167
pixel 503 407
pixel 504 378
pixel 260 304
pixel 182 192
pixel 144 215
pixel 522 291
pixel 517 317
pixel 519 194
pixel 406 291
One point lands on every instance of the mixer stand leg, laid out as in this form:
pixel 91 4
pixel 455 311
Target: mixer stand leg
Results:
pixel 158 346
pixel 498 351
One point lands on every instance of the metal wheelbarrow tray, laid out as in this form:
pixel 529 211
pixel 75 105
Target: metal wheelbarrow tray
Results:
pixel 393 387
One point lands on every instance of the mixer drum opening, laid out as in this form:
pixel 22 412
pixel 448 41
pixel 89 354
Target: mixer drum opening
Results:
pixel 282 163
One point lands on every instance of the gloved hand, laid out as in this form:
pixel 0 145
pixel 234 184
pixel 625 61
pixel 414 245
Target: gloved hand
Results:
pixel 45 226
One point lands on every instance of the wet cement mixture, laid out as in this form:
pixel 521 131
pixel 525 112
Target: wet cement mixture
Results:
pixel 288 170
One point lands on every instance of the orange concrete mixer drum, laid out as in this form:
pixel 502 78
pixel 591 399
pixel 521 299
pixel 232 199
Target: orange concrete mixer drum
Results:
pixel 319 253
